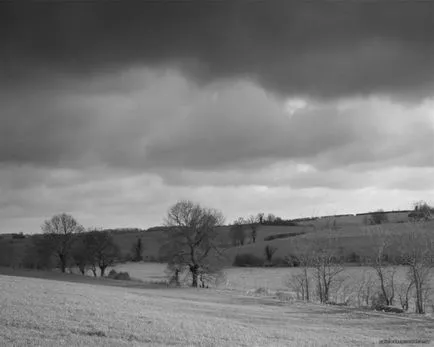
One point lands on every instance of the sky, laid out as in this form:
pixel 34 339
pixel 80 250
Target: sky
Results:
pixel 113 111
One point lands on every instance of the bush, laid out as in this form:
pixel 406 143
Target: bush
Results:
pixel 292 261
pixel 378 301
pixel 112 273
pixel 334 303
pixel 261 291
pixel 385 308
pixel 353 257
pixel 248 259
pixel 284 296
pixel 282 236
pixel 122 276
pixel 379 217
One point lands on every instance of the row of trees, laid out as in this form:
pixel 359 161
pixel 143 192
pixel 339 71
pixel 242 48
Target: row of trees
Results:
pixel 320 270
pixel 245 230
pixel 66 243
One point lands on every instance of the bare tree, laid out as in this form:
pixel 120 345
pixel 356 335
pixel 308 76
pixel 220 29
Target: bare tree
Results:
pixel 192 240
pixel 297 282
pixel 418 254
pixel 404 291
pixel 384 271
pixel 304 259
pixel 364 289
pixel 253 222
pixel 326 266
pixel 61 230
pixel 102 250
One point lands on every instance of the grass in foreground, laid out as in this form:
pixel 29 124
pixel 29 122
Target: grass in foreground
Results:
pixel 42 312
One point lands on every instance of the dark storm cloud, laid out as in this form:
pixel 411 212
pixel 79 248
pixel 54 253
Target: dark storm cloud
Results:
pixel 328 48
pixel 165 122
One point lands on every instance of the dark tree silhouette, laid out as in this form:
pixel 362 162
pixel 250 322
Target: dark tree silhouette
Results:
pixel 191 243
pixel 61 230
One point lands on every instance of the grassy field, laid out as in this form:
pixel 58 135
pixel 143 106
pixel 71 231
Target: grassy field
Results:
pixel 47 312
pixel 247 280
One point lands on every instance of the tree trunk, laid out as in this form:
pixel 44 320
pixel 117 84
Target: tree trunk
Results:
pixel 419 294
pixel 419 299
pixel 325 287
pixel 320 291
pixel 178 284
pixel 306 279
pixel 62 260
pixel 102 268
pixel 194 269
pixel 383 288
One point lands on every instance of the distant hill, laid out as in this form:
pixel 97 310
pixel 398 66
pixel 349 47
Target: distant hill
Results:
pixel 350 233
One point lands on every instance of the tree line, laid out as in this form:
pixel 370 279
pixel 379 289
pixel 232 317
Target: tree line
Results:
pixel 64 243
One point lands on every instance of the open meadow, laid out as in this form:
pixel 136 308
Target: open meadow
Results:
pixel 272 280
pixel 47 312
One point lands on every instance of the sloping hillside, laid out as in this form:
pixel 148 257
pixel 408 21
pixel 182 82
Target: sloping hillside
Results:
pixel 350 233
pixel 345 239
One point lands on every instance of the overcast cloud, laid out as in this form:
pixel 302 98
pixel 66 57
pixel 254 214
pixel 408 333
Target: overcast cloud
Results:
pixel 114 111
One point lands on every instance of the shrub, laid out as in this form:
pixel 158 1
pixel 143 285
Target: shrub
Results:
pixel 122 276
pixel 353 257
pixel 112 274
pixel 334 303
pixel 378 301
pixel 284 296
pixel 292 261
pixel 282 236
pixel 248 259
pixel 261 291
pixel 379 217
